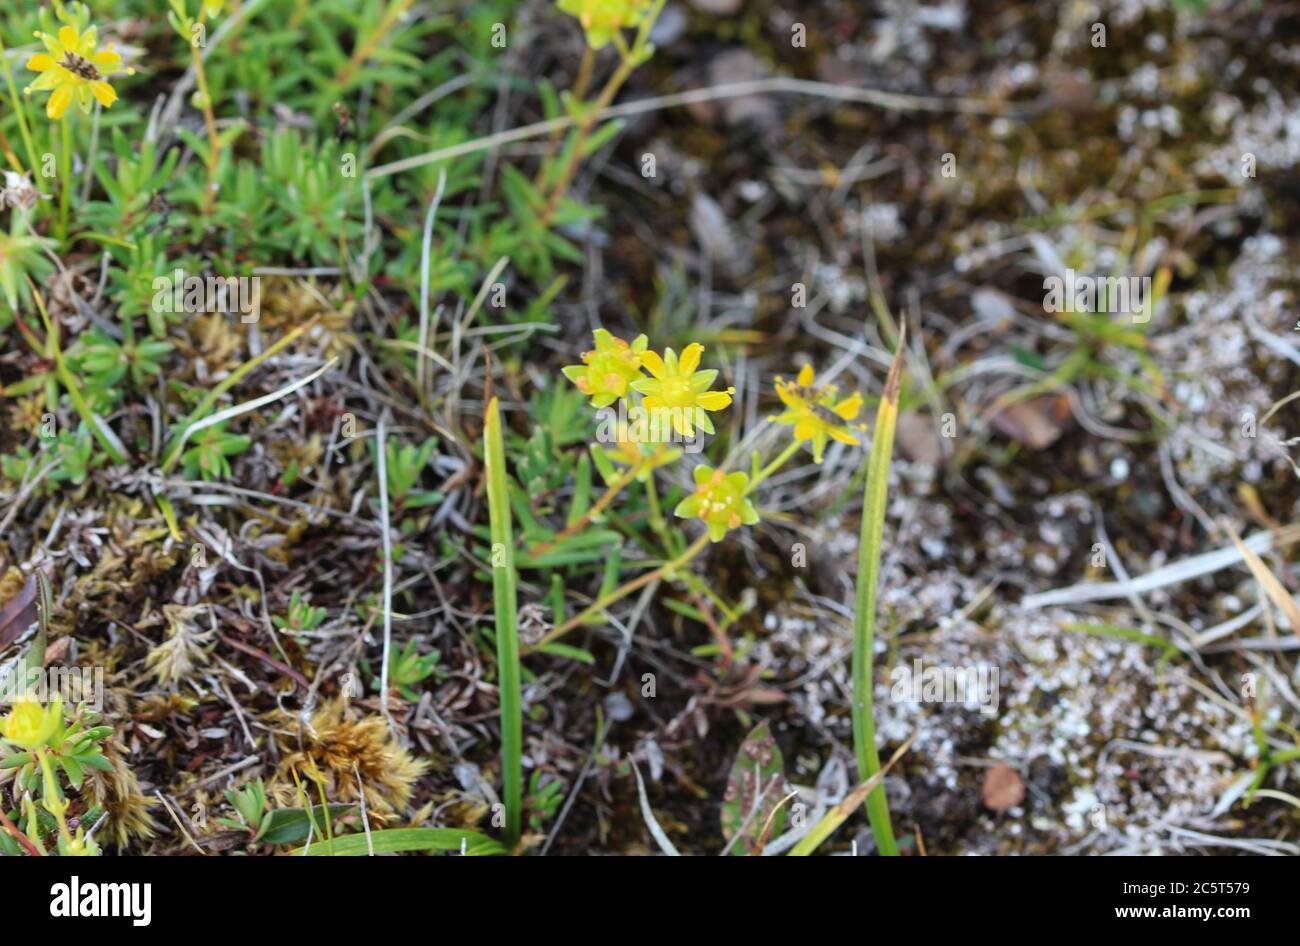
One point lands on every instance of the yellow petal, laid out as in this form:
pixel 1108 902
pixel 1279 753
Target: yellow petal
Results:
pixel 107 60
pixel 713 400
pixel 806 376
pixel 652 363
pixel 849 407
pixel 41 62
pixel 59 102
pixel 68 38
pixel 104 93
pixel 805 430
pixel 788 398
pixel 690 358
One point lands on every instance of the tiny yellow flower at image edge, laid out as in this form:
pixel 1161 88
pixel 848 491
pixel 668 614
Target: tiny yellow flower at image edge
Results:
pixel 719 501
pixel 30 724
pixel 72 70
pixel 601 19
pixel 675 386
pixel 817 415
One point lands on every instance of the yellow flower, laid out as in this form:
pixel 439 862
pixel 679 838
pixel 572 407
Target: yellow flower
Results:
pixel 212 7
pixel 601 19
pixel 606 373
pixel 30 725
pixel 676 387
pixel 72 69
pixel 815 413
pixel 719 500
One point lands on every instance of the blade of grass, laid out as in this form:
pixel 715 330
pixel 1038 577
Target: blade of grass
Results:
pixel 197 419
pixel 505 603
pixel 824 828
pixel 651 821
pixel 381 458
pixel 1125 634
pixel 874 498
pixel 404 839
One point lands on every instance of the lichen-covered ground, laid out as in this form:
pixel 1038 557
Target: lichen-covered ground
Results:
pixel 1035 452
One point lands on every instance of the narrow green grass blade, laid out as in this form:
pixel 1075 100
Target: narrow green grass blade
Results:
pixel 830 821
pixel 505 603
pixel 406 839
pixel 1124 634
pixel 874 498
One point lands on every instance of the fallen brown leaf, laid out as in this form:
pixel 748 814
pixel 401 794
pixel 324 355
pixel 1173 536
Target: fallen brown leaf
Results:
pixel 19 613
pixel 1036 423
pixel 1003 788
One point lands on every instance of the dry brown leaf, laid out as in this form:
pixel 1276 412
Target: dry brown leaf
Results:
pixel 917 438
pixel 20 612
pixel 1037 423
pixel 1272 587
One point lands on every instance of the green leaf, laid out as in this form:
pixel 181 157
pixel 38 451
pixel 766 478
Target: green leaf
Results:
pixel 291 825
pixel 407 839
pixel 96 761
pixel 76 774
pixel 755 788
pixel 564 650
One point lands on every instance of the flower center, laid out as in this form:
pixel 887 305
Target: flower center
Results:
pixel 81 67
pixel 677 392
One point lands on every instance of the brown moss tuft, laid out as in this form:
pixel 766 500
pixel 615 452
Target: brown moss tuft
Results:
pixel 340 749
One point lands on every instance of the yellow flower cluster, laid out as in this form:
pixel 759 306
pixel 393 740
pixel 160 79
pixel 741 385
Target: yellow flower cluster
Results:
pixel 676 393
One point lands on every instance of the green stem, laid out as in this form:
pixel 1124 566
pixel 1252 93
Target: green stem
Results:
pixel 618 594
pixel 210 122
pixel 16 103
pixel 506 605
pixel 610 494
pixel 870 541
pixel 782 458
pixel 658 524
pixel 632 58
pixel 65 177
pixel 56 806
